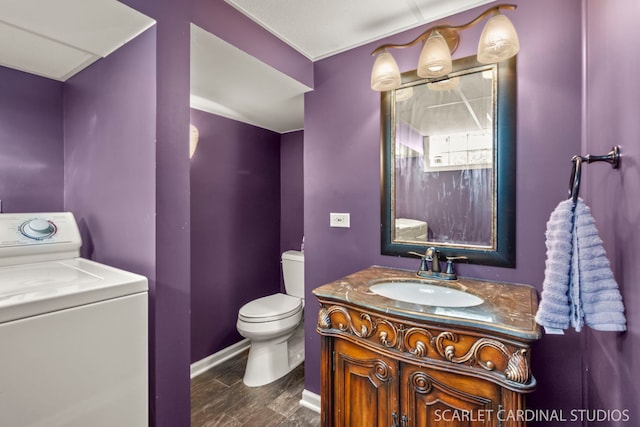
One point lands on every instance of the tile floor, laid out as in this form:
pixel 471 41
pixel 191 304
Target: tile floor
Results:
pixel 219 398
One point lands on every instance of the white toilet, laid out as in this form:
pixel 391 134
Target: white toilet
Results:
pixel 274 326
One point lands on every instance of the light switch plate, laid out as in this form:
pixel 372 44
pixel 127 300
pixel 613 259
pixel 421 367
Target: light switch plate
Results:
pixel 339 220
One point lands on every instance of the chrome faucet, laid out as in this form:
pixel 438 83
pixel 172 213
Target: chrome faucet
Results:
pixel 433 255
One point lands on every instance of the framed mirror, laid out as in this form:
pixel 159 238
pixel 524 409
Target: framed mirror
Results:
pixel 448 164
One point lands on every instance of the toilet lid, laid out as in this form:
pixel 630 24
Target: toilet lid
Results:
pixel 272 307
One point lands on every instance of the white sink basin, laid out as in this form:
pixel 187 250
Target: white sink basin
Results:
pixel 424 293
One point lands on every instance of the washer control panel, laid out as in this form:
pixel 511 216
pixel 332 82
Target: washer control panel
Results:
pixel 55 235
pixel 38 228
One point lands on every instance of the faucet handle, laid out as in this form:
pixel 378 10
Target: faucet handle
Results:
pixel 451 259
pixel 423 261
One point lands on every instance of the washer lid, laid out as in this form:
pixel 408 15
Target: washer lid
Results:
pixel 269 308
pixel 42 287
pixel 293 255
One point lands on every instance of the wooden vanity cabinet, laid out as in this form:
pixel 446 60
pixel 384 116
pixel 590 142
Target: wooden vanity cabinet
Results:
pixel 435 398
pixel 368 389
pixel 391 364
pixel 364 387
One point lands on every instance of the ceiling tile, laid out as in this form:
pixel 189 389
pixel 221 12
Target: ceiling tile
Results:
pixel 433 10
pixel 96 26
pixel 24 51
pixel 321 28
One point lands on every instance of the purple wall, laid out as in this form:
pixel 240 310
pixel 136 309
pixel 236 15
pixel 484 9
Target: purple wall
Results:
pixel 31 154
pixel 110 163
pixel 291 190
pixel 109 152
pixel 235 224
pixel 342 172
pixel 610 361
pixel 225 22
pixel 170 292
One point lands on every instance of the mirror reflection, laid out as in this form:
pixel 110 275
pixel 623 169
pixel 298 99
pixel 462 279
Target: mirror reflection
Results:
pixel 443 156
pixel 444 160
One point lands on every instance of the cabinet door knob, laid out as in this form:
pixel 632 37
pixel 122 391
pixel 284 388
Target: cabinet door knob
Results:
pixel 395 420
pixel 404 421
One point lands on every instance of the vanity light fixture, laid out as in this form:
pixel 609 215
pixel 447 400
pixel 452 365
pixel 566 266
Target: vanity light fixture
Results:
pixel 499 41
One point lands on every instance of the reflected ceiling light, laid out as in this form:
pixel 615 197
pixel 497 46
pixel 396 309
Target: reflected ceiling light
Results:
pixel 446 84
pixel 404 94
pixel 499 41
pixel 487 74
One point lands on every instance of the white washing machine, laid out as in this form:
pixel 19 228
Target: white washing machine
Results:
pixel 73 332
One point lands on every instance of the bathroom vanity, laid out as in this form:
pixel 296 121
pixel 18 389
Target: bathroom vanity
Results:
pixel 399 361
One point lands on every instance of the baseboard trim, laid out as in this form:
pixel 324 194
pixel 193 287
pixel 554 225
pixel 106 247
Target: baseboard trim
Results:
pixel 217 358
pixel 310 400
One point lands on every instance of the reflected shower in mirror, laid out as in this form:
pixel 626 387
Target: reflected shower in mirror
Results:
pixel 448 163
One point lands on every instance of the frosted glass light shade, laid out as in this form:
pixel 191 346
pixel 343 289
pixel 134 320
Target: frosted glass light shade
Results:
pixel 499 40
pixel 193 139
pixel 435 58
pixel 385 74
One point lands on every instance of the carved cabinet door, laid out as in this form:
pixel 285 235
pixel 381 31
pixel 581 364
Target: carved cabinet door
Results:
pixel 434 398
pixel 365 387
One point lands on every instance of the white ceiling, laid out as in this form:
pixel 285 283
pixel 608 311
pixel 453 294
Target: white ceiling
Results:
pixel 56 39
pixel 321 28
pixel 231 83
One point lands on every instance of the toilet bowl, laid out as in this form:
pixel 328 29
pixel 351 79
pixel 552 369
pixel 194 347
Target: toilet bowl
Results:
pixel 274 326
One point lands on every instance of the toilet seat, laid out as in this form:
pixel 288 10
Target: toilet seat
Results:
pixel 270 308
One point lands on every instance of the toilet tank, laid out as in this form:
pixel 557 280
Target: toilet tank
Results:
pixel 293 272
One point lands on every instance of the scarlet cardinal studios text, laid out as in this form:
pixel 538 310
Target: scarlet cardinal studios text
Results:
pixel 537 415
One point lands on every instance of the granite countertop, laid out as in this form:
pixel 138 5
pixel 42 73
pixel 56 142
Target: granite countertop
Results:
pixel 508 309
